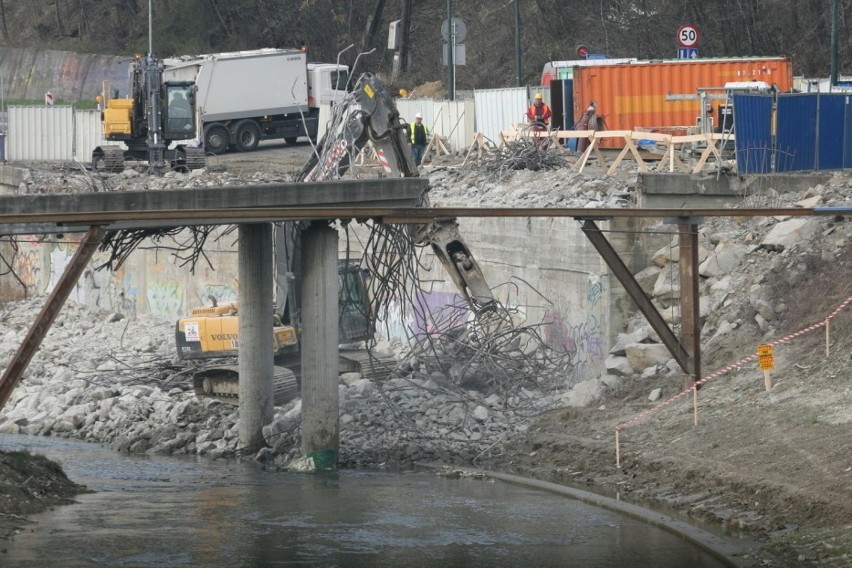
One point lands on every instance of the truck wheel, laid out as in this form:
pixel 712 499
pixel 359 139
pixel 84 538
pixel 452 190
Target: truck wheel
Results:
pixel 290 140
pixel 248 136
pixel 217 139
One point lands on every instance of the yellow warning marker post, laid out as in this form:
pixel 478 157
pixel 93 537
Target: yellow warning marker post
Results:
pixel 766 362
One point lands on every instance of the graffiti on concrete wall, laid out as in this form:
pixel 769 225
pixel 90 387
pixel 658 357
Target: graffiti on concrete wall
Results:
pixel 27 265
pixel 584 340
pixel 165 297
pixel 393 323
pixel 436 312
pixel 222 293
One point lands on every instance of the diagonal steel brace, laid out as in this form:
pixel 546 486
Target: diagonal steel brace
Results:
pixel 63 288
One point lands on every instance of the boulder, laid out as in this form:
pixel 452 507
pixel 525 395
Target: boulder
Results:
pixel 723 260
pixel 667 286
pixel 647 277
pixel 643 355
pixel 584 393
pixel 480 413
pixel 787 233
pixel 616 365
pixel 638 335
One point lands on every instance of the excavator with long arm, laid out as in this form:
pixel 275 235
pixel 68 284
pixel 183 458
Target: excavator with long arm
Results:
pixel 367 115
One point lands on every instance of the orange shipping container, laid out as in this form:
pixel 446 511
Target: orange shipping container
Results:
pixel 633 95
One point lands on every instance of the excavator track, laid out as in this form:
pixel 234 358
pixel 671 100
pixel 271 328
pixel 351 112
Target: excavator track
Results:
pixel 108 159
pixel 191 158
pixel 368 363
pixel 222 382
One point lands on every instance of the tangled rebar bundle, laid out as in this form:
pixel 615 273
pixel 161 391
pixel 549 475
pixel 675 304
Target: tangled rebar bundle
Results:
pixel 187 244
pixel 486 351
pixel 527 152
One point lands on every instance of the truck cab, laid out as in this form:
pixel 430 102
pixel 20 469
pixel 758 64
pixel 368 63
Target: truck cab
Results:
pixel 327 83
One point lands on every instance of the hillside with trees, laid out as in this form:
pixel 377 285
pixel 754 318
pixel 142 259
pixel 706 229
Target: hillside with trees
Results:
pixel 550 29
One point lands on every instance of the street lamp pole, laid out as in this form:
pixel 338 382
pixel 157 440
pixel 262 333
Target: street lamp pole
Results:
pixel 451 79
pixel 150 30
pixel 833 43
pixel 517 43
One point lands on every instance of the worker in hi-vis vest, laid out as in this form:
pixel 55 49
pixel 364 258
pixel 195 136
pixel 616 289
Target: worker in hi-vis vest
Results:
pixel 419 138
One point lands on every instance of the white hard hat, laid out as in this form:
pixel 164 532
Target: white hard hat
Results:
pixel 418 115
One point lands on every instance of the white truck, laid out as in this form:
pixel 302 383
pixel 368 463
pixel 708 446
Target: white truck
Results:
pixel 244 97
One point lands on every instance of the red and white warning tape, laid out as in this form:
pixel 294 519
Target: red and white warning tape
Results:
pixel 731 367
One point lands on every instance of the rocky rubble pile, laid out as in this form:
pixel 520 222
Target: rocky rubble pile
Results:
pixel 103 378
pixel 524 188
pixel 745 265
pixel 66 179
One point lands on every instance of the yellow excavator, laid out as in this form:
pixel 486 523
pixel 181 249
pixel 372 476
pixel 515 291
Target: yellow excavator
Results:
pixel 368 114
pixel 148 122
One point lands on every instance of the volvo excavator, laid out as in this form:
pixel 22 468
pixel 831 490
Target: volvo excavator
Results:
pixel 367 115
pixel 152 122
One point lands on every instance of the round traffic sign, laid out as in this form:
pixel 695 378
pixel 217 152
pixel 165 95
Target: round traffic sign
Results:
pixel 459 29
pixel 688 36
pixel 582 51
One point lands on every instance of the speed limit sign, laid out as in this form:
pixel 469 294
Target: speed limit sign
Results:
pixel 688 36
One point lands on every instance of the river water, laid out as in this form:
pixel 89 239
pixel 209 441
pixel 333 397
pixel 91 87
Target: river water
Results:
pixel 151 511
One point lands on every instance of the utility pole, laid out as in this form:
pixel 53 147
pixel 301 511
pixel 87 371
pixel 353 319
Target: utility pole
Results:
pixel 451 79
pixel 406 25
pixel 833 43
pixel 150 30
pixel 517 43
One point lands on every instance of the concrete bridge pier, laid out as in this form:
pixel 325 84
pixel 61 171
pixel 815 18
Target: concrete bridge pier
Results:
pixel 320 346
pixel 256 353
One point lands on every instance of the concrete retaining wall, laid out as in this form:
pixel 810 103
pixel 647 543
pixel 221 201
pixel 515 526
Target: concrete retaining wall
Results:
pixel 151 281
pixel 545 269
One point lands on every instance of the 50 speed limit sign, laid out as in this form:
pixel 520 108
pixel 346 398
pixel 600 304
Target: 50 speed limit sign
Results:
pixel 688 36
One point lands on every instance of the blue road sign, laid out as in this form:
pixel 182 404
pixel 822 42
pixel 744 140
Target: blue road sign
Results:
pixel 687 53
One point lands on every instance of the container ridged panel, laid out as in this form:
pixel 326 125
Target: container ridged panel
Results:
pixel 633 95
pixel 41 133
pixel 88 134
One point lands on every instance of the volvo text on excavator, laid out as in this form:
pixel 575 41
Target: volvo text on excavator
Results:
pixel 367 115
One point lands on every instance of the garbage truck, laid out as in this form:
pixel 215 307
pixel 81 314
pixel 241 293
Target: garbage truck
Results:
pixel 244 97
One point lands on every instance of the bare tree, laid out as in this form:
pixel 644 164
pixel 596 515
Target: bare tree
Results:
pixel 59 24
pixel 3 23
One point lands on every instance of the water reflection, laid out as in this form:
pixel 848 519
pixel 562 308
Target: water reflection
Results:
pixel 153 511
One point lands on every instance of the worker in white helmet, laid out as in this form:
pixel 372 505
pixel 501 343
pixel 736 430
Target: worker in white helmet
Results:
pixel 419 138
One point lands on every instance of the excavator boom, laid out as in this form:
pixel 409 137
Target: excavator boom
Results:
pixel 369 114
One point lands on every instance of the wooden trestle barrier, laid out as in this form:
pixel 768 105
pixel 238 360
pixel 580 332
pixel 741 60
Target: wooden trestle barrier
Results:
pixel 670 160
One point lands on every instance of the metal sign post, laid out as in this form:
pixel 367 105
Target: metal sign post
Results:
pixel 454 31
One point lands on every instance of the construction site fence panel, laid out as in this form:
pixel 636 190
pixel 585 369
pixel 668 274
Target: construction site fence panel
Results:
pixel 40 133
pixel 452 120
pixel 805 132
pixel 498 109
